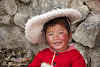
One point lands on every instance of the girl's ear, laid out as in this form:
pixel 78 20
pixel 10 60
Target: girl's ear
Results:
pixel 70 36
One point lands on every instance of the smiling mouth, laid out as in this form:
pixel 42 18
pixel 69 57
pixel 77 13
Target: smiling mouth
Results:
pixel 57 43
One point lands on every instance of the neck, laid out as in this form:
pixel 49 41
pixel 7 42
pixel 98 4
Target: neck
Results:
pixel 63 50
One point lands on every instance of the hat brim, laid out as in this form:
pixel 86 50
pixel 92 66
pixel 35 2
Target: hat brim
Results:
pixel 35 24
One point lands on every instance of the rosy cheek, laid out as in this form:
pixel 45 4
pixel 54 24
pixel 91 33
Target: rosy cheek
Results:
pixel 63 36
pixel 49 39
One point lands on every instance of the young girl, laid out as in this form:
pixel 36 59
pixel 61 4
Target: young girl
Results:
pixel 55 26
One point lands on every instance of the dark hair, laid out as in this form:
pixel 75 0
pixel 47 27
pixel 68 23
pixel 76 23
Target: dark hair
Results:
pixel 64 20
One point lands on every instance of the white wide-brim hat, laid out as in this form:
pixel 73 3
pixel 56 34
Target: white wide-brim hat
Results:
pixel 35 24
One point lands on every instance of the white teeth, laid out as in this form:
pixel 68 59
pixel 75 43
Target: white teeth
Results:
pixel 57 43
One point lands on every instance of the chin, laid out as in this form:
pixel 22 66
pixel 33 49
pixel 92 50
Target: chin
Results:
pixel 58 48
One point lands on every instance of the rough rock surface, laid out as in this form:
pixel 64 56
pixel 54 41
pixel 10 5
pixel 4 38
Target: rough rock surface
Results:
pixel 10 6
pixel 25 1
pixel 15 13
pixel 16 57
pixel 12 37
pixel 5 19
pixel 87 33
pixel 20 19
pixel 95 57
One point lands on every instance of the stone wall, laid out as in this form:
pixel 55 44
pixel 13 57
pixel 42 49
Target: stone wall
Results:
pixel 15 13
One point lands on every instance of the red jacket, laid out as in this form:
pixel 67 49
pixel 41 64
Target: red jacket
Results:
pixel 69 58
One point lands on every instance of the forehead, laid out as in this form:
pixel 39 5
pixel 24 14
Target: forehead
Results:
pixel 51 23
pixel 55 22
pixel 56 27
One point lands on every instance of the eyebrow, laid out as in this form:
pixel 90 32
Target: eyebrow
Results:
pixel 52 31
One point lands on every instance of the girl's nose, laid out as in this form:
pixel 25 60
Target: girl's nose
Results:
pixel 56 37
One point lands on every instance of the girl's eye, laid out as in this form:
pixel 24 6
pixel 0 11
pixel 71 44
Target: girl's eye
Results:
pixel 61 32
pixel 50 34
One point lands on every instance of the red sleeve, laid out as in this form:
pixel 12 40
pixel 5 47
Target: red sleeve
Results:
pixel 36 61
pixel 78 60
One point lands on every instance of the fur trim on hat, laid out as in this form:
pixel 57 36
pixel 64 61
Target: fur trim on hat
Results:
pixel 35 24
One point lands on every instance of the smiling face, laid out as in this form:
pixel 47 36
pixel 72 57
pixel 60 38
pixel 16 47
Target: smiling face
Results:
pixel 57 37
